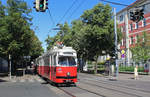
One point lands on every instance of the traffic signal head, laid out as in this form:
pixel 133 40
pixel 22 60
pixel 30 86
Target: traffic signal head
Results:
pixel 137 15
pixel 45 5
pixel 141 14
pixel 132 16
pixel 36 5
pixel 41 5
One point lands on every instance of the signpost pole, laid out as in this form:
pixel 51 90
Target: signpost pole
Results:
pixel 10 66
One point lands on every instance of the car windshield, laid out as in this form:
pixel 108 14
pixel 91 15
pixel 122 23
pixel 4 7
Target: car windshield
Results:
pixel 67 61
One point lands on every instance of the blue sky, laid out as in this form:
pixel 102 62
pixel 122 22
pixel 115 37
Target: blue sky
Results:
pixel 42 23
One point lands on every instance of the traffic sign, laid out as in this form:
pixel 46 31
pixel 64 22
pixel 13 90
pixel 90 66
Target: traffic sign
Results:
pixel 123 56
pixel 122 51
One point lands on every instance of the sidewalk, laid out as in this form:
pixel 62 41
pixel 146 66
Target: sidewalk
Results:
pixel 7 78
pixel 131 77
pixel 123 76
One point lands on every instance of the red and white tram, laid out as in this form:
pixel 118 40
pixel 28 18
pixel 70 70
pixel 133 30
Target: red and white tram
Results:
pixel 59 65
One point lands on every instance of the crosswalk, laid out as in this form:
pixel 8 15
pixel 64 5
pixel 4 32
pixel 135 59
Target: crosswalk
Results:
pixel 28 80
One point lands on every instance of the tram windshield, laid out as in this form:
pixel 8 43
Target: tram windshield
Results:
pixel 67 61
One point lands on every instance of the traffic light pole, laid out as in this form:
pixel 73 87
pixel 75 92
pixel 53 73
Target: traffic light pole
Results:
pixel 127 39
pixel 116 54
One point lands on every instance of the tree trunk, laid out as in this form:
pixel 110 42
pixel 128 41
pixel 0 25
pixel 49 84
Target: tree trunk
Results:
pixel 96 65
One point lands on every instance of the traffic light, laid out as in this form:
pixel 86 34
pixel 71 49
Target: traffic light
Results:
pixel 141 13
pixel 45 5
pixel 132 17
pixel 36 5
pixel 137 15
pixel 41 5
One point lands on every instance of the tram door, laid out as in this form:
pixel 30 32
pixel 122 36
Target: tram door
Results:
pixel 50 66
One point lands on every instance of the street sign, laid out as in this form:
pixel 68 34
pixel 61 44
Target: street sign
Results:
pixel 122 51
pixel 123 56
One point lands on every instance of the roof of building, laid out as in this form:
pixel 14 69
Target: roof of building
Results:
pixel 137 2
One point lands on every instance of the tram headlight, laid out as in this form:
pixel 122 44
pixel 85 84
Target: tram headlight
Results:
pixel 68 73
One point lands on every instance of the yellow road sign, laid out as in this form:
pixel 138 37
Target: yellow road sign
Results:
pixel 122 51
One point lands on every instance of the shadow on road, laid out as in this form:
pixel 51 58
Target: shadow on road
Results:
pixel 21 72
pixel 2 75
pixel 2 80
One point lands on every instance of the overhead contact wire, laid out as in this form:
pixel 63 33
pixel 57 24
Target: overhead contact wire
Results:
pixel 74 11
pixel 67 11
pixel 115 3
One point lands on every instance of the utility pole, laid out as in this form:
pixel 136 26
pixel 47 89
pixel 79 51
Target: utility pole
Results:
pixel 10 66
pixel 116 46
pixel 127 39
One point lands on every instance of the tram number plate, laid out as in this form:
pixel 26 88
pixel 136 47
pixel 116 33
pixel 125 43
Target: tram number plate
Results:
pixel 68 80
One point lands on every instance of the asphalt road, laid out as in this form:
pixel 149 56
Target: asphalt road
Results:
pixel 88 85
pixel 26 88
pixel 124 87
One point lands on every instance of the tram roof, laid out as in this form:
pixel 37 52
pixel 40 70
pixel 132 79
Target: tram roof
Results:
pixel 58 49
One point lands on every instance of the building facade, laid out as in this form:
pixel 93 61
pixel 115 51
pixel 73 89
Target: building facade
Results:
pixel 131 30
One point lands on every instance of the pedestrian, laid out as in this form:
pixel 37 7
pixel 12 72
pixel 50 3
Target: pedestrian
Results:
pixel 136 72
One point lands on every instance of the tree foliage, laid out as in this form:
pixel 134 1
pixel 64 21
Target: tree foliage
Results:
pixel 91 34
pixel 16 37
pixel 141 50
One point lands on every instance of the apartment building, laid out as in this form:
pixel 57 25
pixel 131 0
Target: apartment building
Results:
pixel 131 30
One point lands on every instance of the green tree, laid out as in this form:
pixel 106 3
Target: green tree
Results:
pixel 141 50
pixel 91 34
pixel 99 31
pixel 50 41
pixel 36 47
pixel 16 37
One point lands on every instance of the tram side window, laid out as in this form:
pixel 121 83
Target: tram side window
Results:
pixel 51 60
pixel 47 61
pixel 50 63
pixel 54 59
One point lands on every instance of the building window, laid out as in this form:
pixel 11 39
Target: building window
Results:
pixel 144 22
pixel 131 40
pixel 136 38
pixel 136 25
pixel 122 42
pixel 131 26
pixel 121 18
pixel 121 29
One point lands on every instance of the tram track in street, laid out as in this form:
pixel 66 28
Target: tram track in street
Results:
pixel 64 89
pixel 68 93
pixel 91 92
pixel 107 88
pixel 126 87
